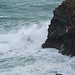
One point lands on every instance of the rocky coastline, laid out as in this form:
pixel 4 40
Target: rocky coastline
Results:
pixel 61 31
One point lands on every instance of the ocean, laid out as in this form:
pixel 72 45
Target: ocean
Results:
pixel 23 29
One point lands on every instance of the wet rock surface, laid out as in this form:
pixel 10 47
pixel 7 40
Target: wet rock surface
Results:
pixel 61 31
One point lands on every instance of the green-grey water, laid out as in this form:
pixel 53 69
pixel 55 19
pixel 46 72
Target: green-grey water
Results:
pixel 23 29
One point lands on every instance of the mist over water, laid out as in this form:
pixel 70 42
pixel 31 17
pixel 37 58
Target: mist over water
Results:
pixel 23 29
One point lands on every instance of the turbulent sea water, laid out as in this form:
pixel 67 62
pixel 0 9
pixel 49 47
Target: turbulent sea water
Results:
pixel 23 29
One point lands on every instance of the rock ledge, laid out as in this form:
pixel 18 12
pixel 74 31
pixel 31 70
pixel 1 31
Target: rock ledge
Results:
pixel 61 31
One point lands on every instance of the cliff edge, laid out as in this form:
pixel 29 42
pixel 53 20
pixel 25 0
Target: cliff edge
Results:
pixel 61 31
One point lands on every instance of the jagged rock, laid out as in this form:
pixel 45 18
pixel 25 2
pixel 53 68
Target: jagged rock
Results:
pixel 58 74
pixel 61 31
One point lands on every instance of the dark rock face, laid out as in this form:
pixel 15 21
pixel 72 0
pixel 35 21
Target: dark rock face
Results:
pixel 58 74
pixel 61 31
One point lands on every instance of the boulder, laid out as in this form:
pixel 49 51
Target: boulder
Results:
pixel 61 31
pixel 58 74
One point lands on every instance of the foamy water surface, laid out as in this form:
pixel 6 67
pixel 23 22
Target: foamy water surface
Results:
pixel 23 29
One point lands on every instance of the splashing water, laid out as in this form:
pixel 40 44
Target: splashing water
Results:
pixel 22 32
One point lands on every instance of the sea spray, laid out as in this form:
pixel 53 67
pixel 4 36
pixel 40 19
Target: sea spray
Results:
pixel 23 29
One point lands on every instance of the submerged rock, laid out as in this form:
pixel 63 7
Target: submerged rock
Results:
pixel 61 31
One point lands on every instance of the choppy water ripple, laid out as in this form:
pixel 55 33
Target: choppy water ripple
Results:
pixel 23 28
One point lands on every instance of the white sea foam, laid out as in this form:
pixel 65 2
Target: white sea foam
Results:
pixel 21 37
pixel 21 54
pixel 3 16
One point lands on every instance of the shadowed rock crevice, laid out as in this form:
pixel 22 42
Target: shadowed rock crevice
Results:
pixel 61 31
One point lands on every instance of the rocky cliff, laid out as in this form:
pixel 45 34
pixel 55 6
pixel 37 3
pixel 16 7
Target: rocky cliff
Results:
pixel 61 31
